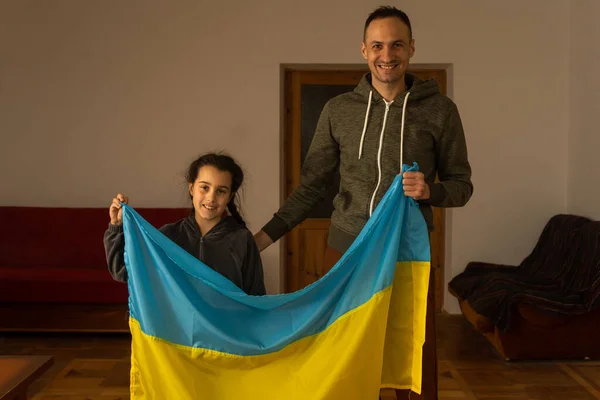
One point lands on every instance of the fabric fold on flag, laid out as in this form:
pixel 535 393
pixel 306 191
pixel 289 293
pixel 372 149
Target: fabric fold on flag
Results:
pixel 361 327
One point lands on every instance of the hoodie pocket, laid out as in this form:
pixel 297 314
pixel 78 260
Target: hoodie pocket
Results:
pixel 342 200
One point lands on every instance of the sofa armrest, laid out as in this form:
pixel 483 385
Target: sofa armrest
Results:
pixel 480 323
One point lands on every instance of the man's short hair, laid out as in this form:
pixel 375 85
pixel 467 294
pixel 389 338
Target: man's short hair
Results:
pixel 385 12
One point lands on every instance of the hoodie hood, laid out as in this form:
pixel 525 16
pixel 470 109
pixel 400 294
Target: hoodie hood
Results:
pixel 418 88
pixel 226 225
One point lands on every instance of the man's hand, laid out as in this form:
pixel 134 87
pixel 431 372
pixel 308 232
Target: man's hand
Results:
pixel 262 240
pixel 415 185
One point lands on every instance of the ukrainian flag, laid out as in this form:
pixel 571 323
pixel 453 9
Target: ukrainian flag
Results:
pixel 195 335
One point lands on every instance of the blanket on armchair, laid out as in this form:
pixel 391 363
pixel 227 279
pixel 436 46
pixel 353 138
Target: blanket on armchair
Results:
pixel 561 275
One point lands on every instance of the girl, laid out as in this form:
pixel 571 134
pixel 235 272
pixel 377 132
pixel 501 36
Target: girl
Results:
pixel 220 241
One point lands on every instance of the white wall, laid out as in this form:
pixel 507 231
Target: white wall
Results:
pixel 511 83
pixel 584 138
pixel 99 97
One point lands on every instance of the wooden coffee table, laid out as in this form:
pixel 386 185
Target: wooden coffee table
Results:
pixel 17 373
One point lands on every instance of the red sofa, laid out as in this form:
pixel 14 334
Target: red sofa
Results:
pixel 55 256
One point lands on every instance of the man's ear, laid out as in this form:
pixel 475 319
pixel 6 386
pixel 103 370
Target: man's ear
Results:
pixel 363 49
pixel 412 48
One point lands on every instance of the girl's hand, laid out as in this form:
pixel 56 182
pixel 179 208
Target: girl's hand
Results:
pixel 115 211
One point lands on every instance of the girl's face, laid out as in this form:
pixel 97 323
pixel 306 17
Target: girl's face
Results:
pixel 210 193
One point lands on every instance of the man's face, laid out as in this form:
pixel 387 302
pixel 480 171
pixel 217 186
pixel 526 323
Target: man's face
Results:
pixel 387 47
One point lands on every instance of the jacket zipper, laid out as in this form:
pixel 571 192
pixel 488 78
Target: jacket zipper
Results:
pixel 387 109
pixel 201 253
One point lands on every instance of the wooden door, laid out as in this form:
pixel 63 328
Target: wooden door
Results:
pixel 306 92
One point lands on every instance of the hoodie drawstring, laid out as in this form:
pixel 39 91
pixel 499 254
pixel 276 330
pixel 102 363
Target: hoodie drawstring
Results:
pixel 380 149
pixel 402 130
pixel 362 137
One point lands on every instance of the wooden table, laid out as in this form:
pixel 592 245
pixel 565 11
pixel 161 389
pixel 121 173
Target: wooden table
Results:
pixel 17 373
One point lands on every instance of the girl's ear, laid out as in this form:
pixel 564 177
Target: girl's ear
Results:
pixel 190 186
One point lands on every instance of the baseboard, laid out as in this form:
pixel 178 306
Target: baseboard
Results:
pixel 51 317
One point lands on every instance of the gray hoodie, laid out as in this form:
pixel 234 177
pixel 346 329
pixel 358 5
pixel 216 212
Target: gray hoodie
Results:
pixel 360 133
pixel 228 248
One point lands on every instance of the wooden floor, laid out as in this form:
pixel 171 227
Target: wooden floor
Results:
pixel 94 367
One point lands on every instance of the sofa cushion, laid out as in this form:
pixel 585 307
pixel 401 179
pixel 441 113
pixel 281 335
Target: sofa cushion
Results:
pixel 23 274
pixel 56 285
pixel 57 254
pixel 539 318
pixel 45 237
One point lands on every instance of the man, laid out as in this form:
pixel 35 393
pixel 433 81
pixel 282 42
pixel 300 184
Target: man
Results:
pixel 360 133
